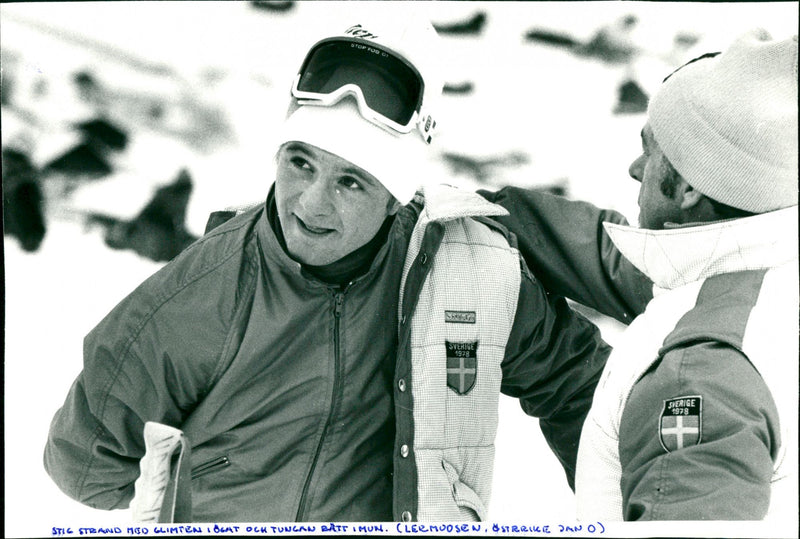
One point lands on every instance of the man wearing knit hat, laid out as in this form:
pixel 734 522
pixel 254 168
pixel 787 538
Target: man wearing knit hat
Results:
pixel 695 417
pixel 337 353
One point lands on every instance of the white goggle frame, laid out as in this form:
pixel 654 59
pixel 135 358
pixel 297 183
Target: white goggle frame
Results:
pixel 423 123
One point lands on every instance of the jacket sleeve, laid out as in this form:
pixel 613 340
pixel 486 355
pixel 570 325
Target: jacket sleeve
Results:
pixel 565 245
pixel 95 440
pixel 553 361
pixel 143 362
pixel 724 474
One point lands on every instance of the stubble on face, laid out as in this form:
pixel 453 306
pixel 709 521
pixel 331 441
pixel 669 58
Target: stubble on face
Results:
pixel 658 200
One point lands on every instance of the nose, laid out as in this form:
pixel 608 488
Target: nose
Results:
pixel 636 168
pixel 315 199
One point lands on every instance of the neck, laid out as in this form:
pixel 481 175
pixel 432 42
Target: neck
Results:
pixel 353 264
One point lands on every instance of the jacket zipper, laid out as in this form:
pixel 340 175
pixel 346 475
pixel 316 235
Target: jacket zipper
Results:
pixel 338 301
pixel 210 466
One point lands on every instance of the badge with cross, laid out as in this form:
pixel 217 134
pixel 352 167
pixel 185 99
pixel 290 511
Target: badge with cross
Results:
pixel 462 365
pixel 681 422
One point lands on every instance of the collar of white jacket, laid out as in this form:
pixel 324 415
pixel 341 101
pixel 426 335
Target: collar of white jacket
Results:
pixel 677 256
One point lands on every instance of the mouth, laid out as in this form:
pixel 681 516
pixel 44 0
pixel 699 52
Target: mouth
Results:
pixel 314 230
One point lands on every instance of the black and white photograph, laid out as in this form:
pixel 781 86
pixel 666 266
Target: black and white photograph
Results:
pixel 400 267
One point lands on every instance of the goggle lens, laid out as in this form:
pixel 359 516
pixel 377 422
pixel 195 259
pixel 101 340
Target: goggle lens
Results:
pixel 391 87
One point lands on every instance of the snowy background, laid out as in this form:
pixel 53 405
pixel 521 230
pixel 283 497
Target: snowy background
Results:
pixel 199 87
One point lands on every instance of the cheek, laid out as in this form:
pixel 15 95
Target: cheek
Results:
pixel 363 220
pixel 358 217
pixel 649 192
pixel 286 191
pixel 650 178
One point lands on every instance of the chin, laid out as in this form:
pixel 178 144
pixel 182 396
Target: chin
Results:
pixel 304 257
pixel 307 255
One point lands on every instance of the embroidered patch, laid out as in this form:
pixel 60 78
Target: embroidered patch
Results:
pixel 460 317
pixel 681 422
pixel 462 365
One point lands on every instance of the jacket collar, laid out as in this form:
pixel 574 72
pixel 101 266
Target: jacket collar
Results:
pixel 677 256
pixel 441 203
pixel 445 203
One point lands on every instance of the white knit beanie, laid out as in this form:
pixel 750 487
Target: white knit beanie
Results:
pixel 728 124
pixel 398 161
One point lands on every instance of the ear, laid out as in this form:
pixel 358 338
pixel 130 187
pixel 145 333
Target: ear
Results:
pixel 690 197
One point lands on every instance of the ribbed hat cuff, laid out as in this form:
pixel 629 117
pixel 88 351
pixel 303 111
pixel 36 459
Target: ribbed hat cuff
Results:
pixel 712 164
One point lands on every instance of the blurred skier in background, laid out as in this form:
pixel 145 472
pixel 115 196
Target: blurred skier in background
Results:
pixel 336 353
pixel 695 417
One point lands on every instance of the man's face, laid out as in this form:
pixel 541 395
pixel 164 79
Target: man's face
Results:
pixel 651 170
pixel 327 206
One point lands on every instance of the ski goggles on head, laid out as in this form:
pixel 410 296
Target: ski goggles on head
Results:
pixel 387 88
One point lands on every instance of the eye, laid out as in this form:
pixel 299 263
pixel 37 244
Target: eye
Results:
pixel 300 162
pixel 351 182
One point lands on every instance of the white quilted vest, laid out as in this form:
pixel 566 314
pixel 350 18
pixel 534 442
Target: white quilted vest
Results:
pixel 468 300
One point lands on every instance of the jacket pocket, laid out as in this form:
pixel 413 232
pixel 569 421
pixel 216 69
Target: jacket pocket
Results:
pixel 212 465
pixel 470 505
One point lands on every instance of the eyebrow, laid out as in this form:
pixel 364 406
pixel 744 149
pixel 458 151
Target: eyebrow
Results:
pixel 297 147
pixel 362 174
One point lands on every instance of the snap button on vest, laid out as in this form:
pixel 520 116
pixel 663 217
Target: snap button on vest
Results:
pixel 423 259
pixel 401 384
pixel 404 450
pixel 406 516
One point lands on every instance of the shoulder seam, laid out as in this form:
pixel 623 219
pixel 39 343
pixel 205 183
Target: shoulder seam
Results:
pixel 237 314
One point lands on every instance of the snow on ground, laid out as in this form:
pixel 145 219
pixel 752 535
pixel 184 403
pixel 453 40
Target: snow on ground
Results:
pixel 530 99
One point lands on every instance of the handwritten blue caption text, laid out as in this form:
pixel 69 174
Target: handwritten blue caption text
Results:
pixel 333 529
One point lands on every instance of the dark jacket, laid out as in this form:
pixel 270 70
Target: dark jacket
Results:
pixel 565 246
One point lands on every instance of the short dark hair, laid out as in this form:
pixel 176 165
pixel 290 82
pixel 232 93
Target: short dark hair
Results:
pixel 670 180
pixel 669 184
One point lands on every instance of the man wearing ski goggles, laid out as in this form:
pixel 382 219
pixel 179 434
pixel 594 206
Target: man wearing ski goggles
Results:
pixel 337 352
